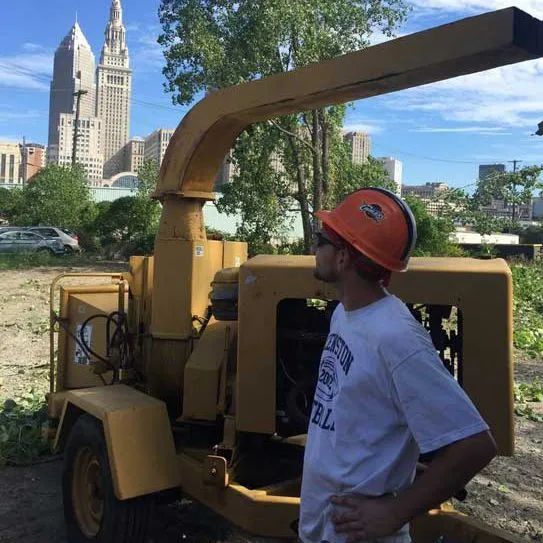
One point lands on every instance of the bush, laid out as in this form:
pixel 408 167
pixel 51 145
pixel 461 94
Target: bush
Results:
pixel 21 421
pixel 528 307
pixel 432 232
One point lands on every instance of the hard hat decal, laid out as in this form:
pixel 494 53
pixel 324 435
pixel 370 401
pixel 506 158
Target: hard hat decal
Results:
pixel 373 211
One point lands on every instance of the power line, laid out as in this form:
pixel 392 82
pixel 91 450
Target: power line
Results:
pixel 21 70
pixel 434 159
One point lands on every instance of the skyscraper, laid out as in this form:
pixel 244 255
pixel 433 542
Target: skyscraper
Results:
pixel 360 145
pixel 394 169
pixel 114 88
pixel 134 155
pixel 488 170
pixel 157 143
pixel 89 145
pixel 73 71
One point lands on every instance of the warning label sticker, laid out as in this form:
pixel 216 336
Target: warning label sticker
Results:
pixel 81 356
pixel 199 250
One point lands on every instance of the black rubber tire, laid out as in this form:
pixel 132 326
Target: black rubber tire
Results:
pixel 122 521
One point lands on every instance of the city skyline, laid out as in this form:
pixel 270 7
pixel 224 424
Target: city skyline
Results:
pixel 485 118
pixel 91 103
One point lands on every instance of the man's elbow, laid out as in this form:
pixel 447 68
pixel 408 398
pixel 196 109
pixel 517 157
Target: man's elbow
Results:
pixel 486 447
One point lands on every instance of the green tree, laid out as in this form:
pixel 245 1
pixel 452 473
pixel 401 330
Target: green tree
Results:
pixel 514 188
pixel 10 200
pixel 57 196
pixel 210 44
pixel 432 232
pixel 351 177
pixel 463 208
pixel 129 224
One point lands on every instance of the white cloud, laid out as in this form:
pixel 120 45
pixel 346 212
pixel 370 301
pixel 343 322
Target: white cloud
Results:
pixel 363 127
pixel 147 53
pixel 132 27
pixel 29 46
pixel 481 130
pixel 9 139
pixel 6 116
pixel 30 70
pixel 504 97
pixel 533 7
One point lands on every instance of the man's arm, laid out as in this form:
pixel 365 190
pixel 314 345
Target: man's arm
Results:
pixel 449 471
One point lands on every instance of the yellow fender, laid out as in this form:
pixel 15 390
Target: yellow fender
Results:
pixel 138 434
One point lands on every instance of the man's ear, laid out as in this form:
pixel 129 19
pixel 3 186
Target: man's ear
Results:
pixel 343 259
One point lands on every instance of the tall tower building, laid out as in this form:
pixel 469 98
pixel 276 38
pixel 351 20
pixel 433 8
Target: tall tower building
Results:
pixel 394 169
pixel 73 70
pixel 157 143
pixel 114 88
pixel 360 144
pixel 488 170
pixel 89 145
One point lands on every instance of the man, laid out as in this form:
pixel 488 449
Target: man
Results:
pixel 385 392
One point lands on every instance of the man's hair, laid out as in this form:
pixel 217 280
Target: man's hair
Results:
pixel 365 268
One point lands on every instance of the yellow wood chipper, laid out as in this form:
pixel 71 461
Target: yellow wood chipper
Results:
pixel 195 370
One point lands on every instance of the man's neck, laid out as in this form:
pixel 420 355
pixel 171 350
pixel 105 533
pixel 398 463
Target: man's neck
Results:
pixel 357 293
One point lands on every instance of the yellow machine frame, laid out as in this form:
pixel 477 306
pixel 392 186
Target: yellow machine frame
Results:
pixel 169 291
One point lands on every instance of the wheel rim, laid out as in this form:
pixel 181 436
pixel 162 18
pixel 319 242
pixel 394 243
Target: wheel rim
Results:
pixel 87 492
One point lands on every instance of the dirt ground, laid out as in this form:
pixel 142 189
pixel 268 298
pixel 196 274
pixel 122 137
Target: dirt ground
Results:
pixel 508 494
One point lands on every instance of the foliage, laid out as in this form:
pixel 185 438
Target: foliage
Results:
pixel 529 392
pixel 219 235
pixel 33 260
pixel 258 193
pixel 526 393
pixel 514 188
pixel 128 225
pixel 210 44
pixel 350 177
pixel 528 307
pixel 57 196
pixel 9 202
pixel 21 421
pixel 532 234
pixel 432 232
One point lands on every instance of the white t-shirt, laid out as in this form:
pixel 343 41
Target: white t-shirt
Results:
pixel 383 397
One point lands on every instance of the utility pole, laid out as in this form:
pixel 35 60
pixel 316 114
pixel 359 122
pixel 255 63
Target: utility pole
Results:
pixel 514 162
pixel 25 161
pixel 78 95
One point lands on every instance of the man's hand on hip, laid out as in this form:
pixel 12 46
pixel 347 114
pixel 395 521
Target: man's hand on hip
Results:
pixel 361 518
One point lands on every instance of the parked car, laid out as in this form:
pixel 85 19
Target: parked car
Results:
pixel 68 238
pixel 4 229
pixel 23 241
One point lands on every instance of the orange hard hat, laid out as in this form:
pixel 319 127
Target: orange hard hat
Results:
pixel 377 223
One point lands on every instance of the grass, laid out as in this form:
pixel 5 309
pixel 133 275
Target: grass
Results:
pixel 528 307
pixel 33 260
pixel 21 421
pixel 526 394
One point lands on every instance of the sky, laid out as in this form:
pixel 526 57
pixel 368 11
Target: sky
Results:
pixel 440 132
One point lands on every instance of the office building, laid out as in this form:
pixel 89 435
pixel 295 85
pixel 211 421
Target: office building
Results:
pixel 73 70
pixel 359 146
pixel 157 143
pixel 89 145
pixel 394 169
pixel 114 90
pixel 134 155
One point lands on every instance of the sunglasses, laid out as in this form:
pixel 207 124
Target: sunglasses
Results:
pixel 321 240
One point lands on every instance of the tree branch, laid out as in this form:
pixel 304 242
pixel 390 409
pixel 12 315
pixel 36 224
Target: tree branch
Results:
pixel 292 134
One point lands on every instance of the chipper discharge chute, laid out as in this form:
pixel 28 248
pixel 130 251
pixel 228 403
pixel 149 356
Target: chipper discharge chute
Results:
pixel 196 368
